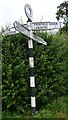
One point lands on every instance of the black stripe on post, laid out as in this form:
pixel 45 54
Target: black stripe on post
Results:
pixel 33 92
pixel 32 71
pixel 30 52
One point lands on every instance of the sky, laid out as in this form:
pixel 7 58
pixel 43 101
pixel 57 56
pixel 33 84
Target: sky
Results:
pixel 13 10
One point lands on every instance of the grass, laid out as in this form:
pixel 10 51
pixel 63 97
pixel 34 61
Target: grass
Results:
pixel 58 109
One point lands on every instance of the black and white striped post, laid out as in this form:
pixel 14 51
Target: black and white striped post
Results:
pixel 27 31
pixel 31 58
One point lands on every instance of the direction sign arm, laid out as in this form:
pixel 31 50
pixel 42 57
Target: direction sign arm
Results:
pixel 39 39
pixel 10 31
pixel 22 29
pixel 26 31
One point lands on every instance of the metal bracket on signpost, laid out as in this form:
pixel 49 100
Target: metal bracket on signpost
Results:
pixel 27 31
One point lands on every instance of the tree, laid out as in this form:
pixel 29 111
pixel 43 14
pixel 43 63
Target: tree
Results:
pixel 62 12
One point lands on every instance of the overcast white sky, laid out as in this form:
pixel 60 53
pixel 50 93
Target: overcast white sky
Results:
pixel 11 10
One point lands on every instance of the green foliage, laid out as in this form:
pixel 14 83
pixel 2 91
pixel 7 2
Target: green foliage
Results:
pixel 50 71
pixel 64 29
pixel 15 72
pixel 0 76
pixel 62 11
pixel 55 110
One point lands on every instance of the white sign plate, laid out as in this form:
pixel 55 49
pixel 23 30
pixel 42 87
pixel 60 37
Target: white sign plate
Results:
pixel 26 32
pixel 39 39
pixel 21 28
pixel 7 32
pixel 47 25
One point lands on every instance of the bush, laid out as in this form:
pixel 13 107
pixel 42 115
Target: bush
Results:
pixel 50 71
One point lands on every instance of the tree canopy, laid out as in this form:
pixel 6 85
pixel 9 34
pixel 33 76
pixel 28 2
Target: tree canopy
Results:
pixel 62 11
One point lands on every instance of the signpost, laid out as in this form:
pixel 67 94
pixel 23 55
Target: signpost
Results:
pixel 27 31
pixel 32 37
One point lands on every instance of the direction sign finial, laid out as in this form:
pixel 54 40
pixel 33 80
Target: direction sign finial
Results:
pixel 28 12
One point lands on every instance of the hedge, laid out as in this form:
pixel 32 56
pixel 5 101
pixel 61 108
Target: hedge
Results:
pixel 50 71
